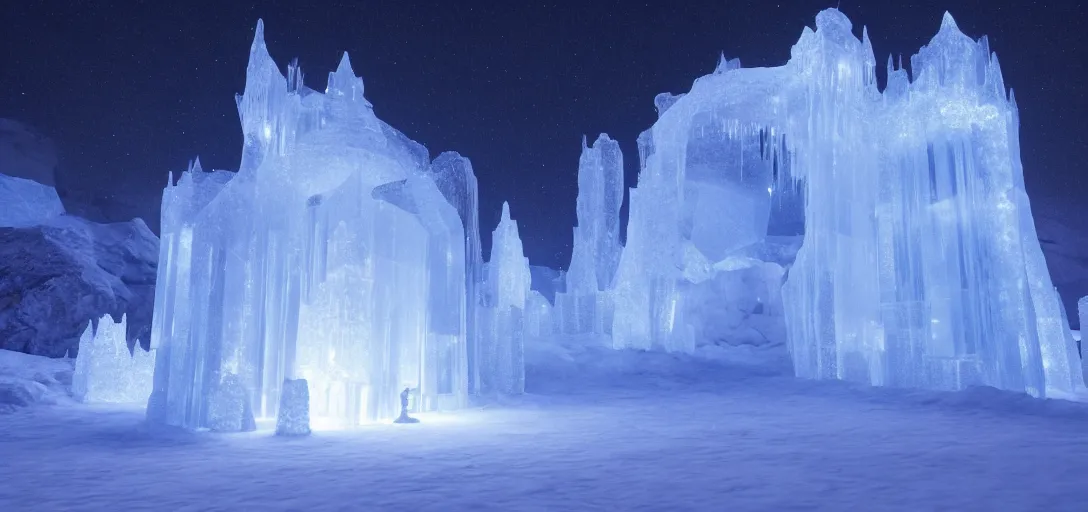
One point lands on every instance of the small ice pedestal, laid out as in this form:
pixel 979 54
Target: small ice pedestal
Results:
pixel 294 415
pixel 404 418
pixel 229 408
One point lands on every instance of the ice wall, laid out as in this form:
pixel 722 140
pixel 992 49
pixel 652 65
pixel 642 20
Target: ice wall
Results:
pixel 455 179
pixel 106 372
pixel 586 304
pixel 504 319
pixel 920 265
pixel 330 259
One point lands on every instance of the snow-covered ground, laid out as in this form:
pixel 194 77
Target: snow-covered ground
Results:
pixel 600 430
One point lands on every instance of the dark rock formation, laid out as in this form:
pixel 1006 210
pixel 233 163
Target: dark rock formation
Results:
pixel 58 276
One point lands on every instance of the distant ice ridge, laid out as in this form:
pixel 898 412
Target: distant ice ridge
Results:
pixel 332 259
pixel 106 372
pixel 920 265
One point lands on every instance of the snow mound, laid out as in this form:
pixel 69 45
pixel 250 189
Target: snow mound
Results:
pixel 27 380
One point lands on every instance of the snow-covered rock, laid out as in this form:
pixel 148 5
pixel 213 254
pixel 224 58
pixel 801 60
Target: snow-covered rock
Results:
pixel 27 380
pixel 56 277
pixel 28 163
pixel 27 202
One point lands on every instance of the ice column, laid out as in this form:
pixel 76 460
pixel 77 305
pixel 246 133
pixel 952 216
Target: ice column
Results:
pixel 586 305
pixel 455 179
pixel 508 282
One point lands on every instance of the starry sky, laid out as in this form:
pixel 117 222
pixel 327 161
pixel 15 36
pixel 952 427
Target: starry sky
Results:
pixel 131 90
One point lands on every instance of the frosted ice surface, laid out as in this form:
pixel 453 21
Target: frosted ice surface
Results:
pixel 331 258
pixel 105 370
pixel 26 202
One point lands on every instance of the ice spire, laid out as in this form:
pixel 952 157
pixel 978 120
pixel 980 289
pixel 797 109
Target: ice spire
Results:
pixel 258 39
pixel 343 82
pixel 725 64
pixel 508 266
pixel 948 22
pixel 260 105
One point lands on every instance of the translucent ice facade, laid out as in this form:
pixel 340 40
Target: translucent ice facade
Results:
pixel 920 265
pixel 331 258
pixel 708 165
pixel 503 321
pixel 586 305
pixel 106 372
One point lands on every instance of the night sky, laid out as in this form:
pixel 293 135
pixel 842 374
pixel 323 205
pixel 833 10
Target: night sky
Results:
pixel 131 90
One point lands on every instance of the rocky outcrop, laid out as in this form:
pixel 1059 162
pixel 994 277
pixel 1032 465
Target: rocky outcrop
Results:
pixel 58 276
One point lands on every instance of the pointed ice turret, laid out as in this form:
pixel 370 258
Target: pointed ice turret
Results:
pixel 343 83
pixel 508 267
pixel 949 59
pixel 503 324
pixel 261 106
pixel 725 64
pixel 948 22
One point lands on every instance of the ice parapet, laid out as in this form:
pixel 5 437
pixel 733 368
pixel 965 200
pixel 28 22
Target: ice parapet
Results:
pixel 586 304
pixel 105 370
pixel 503 321
pixel 330 259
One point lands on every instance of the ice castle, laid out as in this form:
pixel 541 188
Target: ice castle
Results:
pixel 331 256
pixel 339 255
